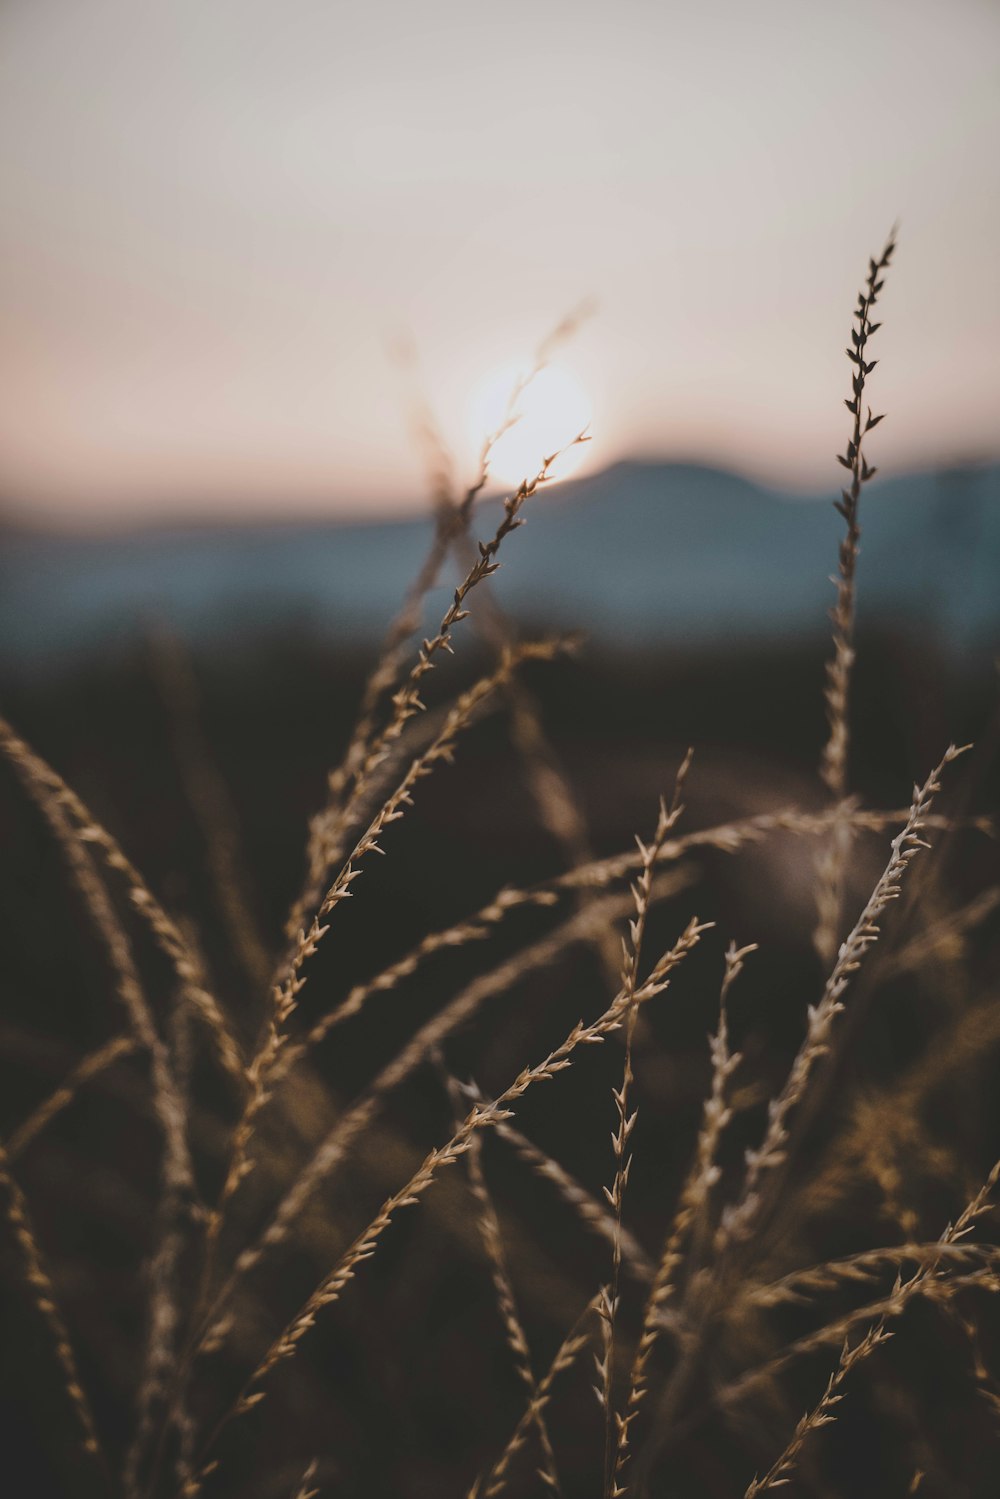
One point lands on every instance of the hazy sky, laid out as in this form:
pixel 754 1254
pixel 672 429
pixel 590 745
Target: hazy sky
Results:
pixel 220 215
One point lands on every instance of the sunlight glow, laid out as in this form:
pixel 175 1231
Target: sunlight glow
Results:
pixel 553 409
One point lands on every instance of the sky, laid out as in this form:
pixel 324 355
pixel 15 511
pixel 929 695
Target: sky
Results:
pixel 223 221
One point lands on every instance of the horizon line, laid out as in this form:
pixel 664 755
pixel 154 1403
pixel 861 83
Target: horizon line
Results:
pixel 222 512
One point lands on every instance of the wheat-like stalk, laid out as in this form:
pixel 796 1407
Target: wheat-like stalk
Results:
pixel 834 760
pixel 631 959
pixel 91 1066
pixel 692 1203
pixel 821 1414
pixel 369 747
pixel 50 791
pixel 305 1489
pixel 943 939
pixel 821 1016
pixel 575 1341
pixel 491 1235
pixel 44 1297
pixel 984 1380
pixel 884 1121
pixel 406 701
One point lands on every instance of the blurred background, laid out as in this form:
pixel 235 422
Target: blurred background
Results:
pixel 255 257
pixel 252 254
pixel 268 276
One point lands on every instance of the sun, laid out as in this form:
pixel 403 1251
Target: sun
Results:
pixel 551 410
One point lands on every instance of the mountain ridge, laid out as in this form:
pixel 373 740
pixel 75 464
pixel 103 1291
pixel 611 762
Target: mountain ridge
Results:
pixel 641 553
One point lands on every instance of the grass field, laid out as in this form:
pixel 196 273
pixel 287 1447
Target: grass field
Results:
pixel 629 1128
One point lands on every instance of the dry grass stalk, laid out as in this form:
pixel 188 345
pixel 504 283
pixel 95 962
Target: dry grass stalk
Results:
pixel 834 761
pixel 305 1489
pixel 888 1131
pixel 822 1412
pixel 491 1235
pixel 575 1341
pixel 49 790
pixel 161 1349
pixel 406 702
pixel 942 941
pixel 631 959
pixel 884 1122
pixel 91 1066
pixel 692 1205
pixel 694 1201
pixel 332 1286
pixel 984 1380
pixel 370 748
pixel 44 1297
pixel 327 828
pixel 738 1221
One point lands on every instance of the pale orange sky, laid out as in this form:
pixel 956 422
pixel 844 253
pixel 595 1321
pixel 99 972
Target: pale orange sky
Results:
pixel 219 217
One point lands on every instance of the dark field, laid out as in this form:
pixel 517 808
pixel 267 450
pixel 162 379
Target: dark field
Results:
pixel 405 1386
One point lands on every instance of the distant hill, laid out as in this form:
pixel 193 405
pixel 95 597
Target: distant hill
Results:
pixel 642 553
